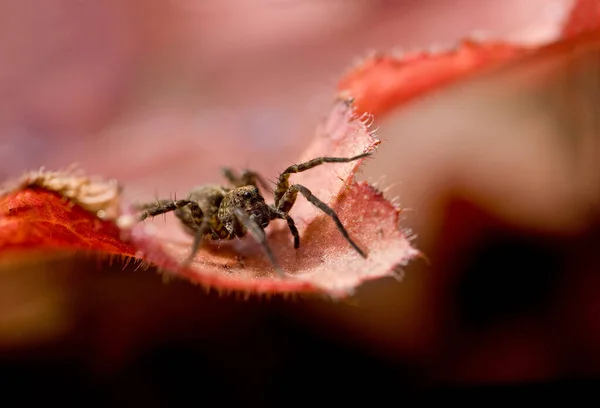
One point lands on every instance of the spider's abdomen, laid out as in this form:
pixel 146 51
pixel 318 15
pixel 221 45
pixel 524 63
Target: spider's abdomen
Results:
pixel 209 198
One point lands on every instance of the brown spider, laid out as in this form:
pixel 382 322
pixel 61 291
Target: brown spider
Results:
pixel 222 213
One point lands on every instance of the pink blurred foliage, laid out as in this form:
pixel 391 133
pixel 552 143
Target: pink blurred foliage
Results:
pixel 195 80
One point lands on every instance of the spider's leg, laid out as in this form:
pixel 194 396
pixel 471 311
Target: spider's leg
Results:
pixel 275 213
pixel 231 176
pixel 247 178
pixel 203 229
pixel 259 234
pixel 161 207
pixel 191 216
pixel 283 183
pixel 289 198
pixel 154 204
pixel 196 224
pixel 252 177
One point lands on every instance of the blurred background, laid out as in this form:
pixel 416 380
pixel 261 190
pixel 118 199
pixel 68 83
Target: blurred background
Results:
pixel 497 173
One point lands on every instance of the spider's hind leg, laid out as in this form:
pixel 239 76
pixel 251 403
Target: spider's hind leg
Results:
pixel 149 205
pixel 160 207
pixel 248 178
pixel 188 212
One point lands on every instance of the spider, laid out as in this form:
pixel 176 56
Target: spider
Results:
pixel 223 213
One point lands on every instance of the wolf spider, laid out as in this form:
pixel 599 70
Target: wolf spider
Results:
pixel 222 213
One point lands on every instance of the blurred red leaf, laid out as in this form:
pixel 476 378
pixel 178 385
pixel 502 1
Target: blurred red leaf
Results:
pixel 584 16
pixel 385 82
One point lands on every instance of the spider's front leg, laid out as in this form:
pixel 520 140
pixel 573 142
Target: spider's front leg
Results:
pixel 288 200
pixel 259 234
pixel 203 229
pixel 285 195
pixel 275 213
pixel 283 183
pixel 196 224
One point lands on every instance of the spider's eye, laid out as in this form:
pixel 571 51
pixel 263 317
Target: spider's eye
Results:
pixel 246 194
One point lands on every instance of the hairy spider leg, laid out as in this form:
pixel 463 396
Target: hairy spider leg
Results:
pixel 161 207
pixel 247 178
pixel 259 234
pixel 203 229
pixel 250 177
pixel 193 218
pixel 283 183
pixel 289 198
pixel 145 206
pixel 275 213
pixel 197 224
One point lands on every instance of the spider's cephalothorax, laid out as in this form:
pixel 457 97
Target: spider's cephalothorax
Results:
pixel 219 212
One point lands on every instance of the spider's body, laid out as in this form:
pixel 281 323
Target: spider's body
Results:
pixel 221 213
pixel 215 204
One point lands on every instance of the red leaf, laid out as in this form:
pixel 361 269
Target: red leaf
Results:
pixel 36 215
pixel 384 82
pixel 325 262
pixel 584 16
pixel 34 218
